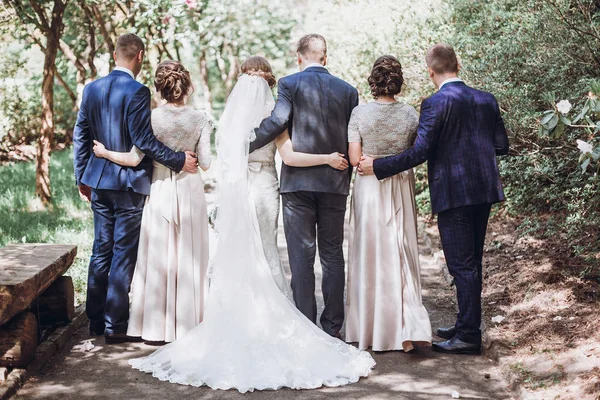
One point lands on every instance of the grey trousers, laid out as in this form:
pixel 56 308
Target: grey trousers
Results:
pixel 310 218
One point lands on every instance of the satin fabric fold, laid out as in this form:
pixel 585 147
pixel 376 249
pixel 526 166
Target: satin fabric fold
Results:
pixel 169 284
pixel 384 306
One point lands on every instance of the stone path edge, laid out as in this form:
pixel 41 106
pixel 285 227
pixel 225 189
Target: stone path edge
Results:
pixel 52 346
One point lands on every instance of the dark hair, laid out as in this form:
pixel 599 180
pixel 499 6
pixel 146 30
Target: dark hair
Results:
pixel 312 46
pixel 441 58
pixel 128 46
pixel 386 77
pixel 259 66
pixel 172 81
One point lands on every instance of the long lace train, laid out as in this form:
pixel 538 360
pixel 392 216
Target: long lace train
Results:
pixel 252 337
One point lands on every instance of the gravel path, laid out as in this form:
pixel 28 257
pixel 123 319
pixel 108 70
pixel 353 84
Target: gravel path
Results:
pixel 103 372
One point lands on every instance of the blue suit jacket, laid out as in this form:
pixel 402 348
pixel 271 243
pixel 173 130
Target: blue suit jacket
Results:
pixel 115 110
pixel 315 106
pixel 460 133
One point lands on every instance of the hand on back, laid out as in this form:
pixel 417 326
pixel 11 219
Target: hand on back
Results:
pixel 337 161
pixel 191 163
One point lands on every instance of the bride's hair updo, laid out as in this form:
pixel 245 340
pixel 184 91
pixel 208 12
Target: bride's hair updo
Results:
pixel 259 66
pixel 172 81
pixel 386 77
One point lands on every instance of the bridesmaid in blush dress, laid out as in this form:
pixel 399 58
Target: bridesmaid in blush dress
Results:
pixel 384 307
pixel 169 283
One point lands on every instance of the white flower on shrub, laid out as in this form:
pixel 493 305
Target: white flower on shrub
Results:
pixel 584 147
pixel 564 106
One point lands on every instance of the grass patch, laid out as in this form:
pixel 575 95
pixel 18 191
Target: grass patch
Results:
pixel 68 221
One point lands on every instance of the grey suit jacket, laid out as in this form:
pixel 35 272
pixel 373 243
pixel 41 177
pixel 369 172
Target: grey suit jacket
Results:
pixel 315 106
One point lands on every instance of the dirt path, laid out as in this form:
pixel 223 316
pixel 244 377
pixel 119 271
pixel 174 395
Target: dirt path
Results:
pixel 104 372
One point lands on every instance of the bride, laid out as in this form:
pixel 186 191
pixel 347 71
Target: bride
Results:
pixel 252 337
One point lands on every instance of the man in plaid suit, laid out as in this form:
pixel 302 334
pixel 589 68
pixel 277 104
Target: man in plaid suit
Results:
pixel 460 134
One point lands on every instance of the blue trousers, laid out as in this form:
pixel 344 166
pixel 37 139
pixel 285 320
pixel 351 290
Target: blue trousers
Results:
pixel 117 221
pixel 462 231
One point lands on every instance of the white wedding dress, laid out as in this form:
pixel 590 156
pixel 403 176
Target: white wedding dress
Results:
pixel 252 337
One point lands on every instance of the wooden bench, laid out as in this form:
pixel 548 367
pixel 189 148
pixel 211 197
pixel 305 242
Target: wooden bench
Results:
pixel 32 291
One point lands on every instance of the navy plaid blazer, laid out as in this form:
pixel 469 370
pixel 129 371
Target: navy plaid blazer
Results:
pixel 460 134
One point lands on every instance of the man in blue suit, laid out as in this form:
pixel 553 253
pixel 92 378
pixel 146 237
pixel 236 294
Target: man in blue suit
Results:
pixel 460 134
pixel 115 110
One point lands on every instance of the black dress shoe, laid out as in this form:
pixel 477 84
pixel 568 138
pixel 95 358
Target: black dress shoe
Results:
pixel 97 328
pixel 446 333
pixel 456 346
pixel 114 338
pixel 155 342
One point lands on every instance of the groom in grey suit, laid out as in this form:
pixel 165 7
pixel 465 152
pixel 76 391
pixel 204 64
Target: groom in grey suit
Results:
pixel 315 107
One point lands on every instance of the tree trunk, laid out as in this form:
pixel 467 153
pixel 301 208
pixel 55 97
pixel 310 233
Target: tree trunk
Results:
pixel 205 86
pixel 45 142
pixel 233 71
pixel 18 340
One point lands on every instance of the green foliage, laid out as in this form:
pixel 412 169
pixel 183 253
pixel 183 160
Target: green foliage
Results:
pixel 521 50
pixel 222 33
pixel 554 122
pixel 20 106
pixel 358 32
pixel 69 220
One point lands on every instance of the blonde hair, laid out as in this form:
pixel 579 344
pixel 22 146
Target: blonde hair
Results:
pixel 442 59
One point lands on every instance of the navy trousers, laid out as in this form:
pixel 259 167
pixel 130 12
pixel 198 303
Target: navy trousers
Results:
pixel 308 218
pixel 462 231
pixel 117 221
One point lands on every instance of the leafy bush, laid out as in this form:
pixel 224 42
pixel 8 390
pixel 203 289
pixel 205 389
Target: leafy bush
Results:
pixel 521 50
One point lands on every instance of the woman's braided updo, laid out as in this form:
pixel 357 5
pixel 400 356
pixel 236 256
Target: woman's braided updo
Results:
pixel 386 77
pixel 172 81
pixel 259 66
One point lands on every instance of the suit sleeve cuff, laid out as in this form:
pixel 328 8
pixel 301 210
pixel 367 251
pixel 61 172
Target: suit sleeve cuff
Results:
pixel 377 171
pixel 180 162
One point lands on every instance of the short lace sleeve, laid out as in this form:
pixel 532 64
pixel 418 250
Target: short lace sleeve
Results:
pixel 413 125
pixel 353 130
pixel 206 126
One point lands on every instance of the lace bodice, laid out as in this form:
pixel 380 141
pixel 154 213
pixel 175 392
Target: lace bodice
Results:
pixel 184 129
pixel 383 129
pixel 265 154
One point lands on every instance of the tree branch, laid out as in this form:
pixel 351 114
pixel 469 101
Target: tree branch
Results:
pixel 64 84
pixel 41 14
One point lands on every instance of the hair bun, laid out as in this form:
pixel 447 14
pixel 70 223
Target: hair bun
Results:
pixel 386 77
pixel 172 81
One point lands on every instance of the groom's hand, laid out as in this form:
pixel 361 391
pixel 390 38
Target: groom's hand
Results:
pixel 191 163
pixel 365 166
pixel 85 192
